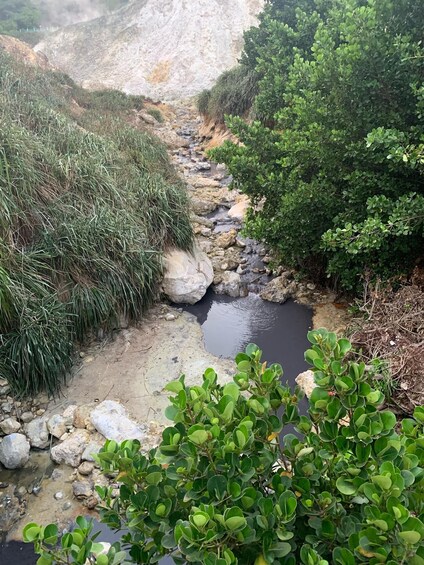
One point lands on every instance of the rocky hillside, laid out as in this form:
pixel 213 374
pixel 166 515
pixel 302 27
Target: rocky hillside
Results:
pixel 167 49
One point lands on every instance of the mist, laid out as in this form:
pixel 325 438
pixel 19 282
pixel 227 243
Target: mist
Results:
pixel 58 13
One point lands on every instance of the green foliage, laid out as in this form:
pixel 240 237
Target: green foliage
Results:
pixel 18 15
pixel 87 205
pixel 220 489
pixel 233 94
pixel 336 156
pixel 156 113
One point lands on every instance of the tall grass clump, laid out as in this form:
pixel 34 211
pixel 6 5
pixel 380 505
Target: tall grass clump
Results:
pixel 88 203
pixel 233 94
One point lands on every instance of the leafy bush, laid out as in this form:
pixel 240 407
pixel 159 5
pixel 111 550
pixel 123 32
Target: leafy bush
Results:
pixel 87 205
pixel 229 483
pixel 233 94
pixel 334 157
pixel 156 113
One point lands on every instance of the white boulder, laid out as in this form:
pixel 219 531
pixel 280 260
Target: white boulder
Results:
pixel 187 275
pixel 70 451
pixel 14 451
pixel 111 420
pixel 239 210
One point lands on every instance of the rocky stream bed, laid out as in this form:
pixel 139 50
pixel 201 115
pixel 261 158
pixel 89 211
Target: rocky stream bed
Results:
pixel 47 471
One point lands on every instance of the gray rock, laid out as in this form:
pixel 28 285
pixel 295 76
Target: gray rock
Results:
pixel 14 451
pixel 57 425
pixel 70 451
pixel 230 284
pixel 111 420
pixel 202 207
pixel 26 417
pixel 82 489
pixel 37 433
pixel 92 449
pixel 147 118
pixel 279 290
pixel 86 468
pixel 10 426
pixel 187 275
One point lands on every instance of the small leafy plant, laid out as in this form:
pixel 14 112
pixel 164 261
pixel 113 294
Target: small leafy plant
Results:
pixel 227 485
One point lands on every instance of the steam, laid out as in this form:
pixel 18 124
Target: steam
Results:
pixel 58 13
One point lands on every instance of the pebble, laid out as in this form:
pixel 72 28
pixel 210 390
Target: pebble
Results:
pixel 26 417
pixel 66 506
pixel 59 495
pixel 170 317
pixel 86 468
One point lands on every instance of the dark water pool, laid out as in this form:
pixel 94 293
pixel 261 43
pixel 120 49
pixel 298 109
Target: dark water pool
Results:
pixel 229 324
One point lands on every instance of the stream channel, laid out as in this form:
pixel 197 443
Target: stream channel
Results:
pixel 229 324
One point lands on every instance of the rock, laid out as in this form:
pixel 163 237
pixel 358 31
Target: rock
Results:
pixel 170 317
pixel 82 489
pixel 14 451
pixel 111 420
pixel 187 275
pixel 6 407
pixel 57 425
pixel 91 502
pixel 10 426
pixel 170 138
pixel 69 412
pixel 40 412
pixel 82 415
pixel 239 210
pixel 37 433
pixel 59 495
pixel 147 118
pixel 92 449
pixel 204 182
pixel 306 382
pixel 278 290
pixel 203 207
pixel 70 451
pixel 226 239
pixel 204 166
pixel 230 284
pixel 86 468
pixel 26 417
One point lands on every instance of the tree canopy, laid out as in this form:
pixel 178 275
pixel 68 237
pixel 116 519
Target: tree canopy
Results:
pixel 335 155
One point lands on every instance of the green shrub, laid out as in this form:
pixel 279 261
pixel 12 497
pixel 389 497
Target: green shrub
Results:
pixel 221 488
pixel 87 205
pixel 233 94
pixel 335 151
pixel 157 114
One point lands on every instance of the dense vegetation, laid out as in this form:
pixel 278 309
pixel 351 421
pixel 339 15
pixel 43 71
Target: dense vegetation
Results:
pixel 87 204
pixel 334 159
pixel 233 94
pixel 18 14
pixel 221 490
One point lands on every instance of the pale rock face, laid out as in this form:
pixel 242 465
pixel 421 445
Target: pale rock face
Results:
pixel 165 49
pixel 111 420
pixel 187 275
pixel 14 451
pixel 70 451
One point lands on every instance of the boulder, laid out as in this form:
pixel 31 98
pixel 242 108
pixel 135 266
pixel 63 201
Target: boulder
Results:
pixel 187 275
pixel 226 239
pixel 14 451
pixel 10 426
pixel 92 449
pixel 230 284
pixel 279 290
pixel 111 420
pixel 70 451
pixel 82 415
pixel 239 210
pixel 57 425
pixel 203 206
pixel 38 433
